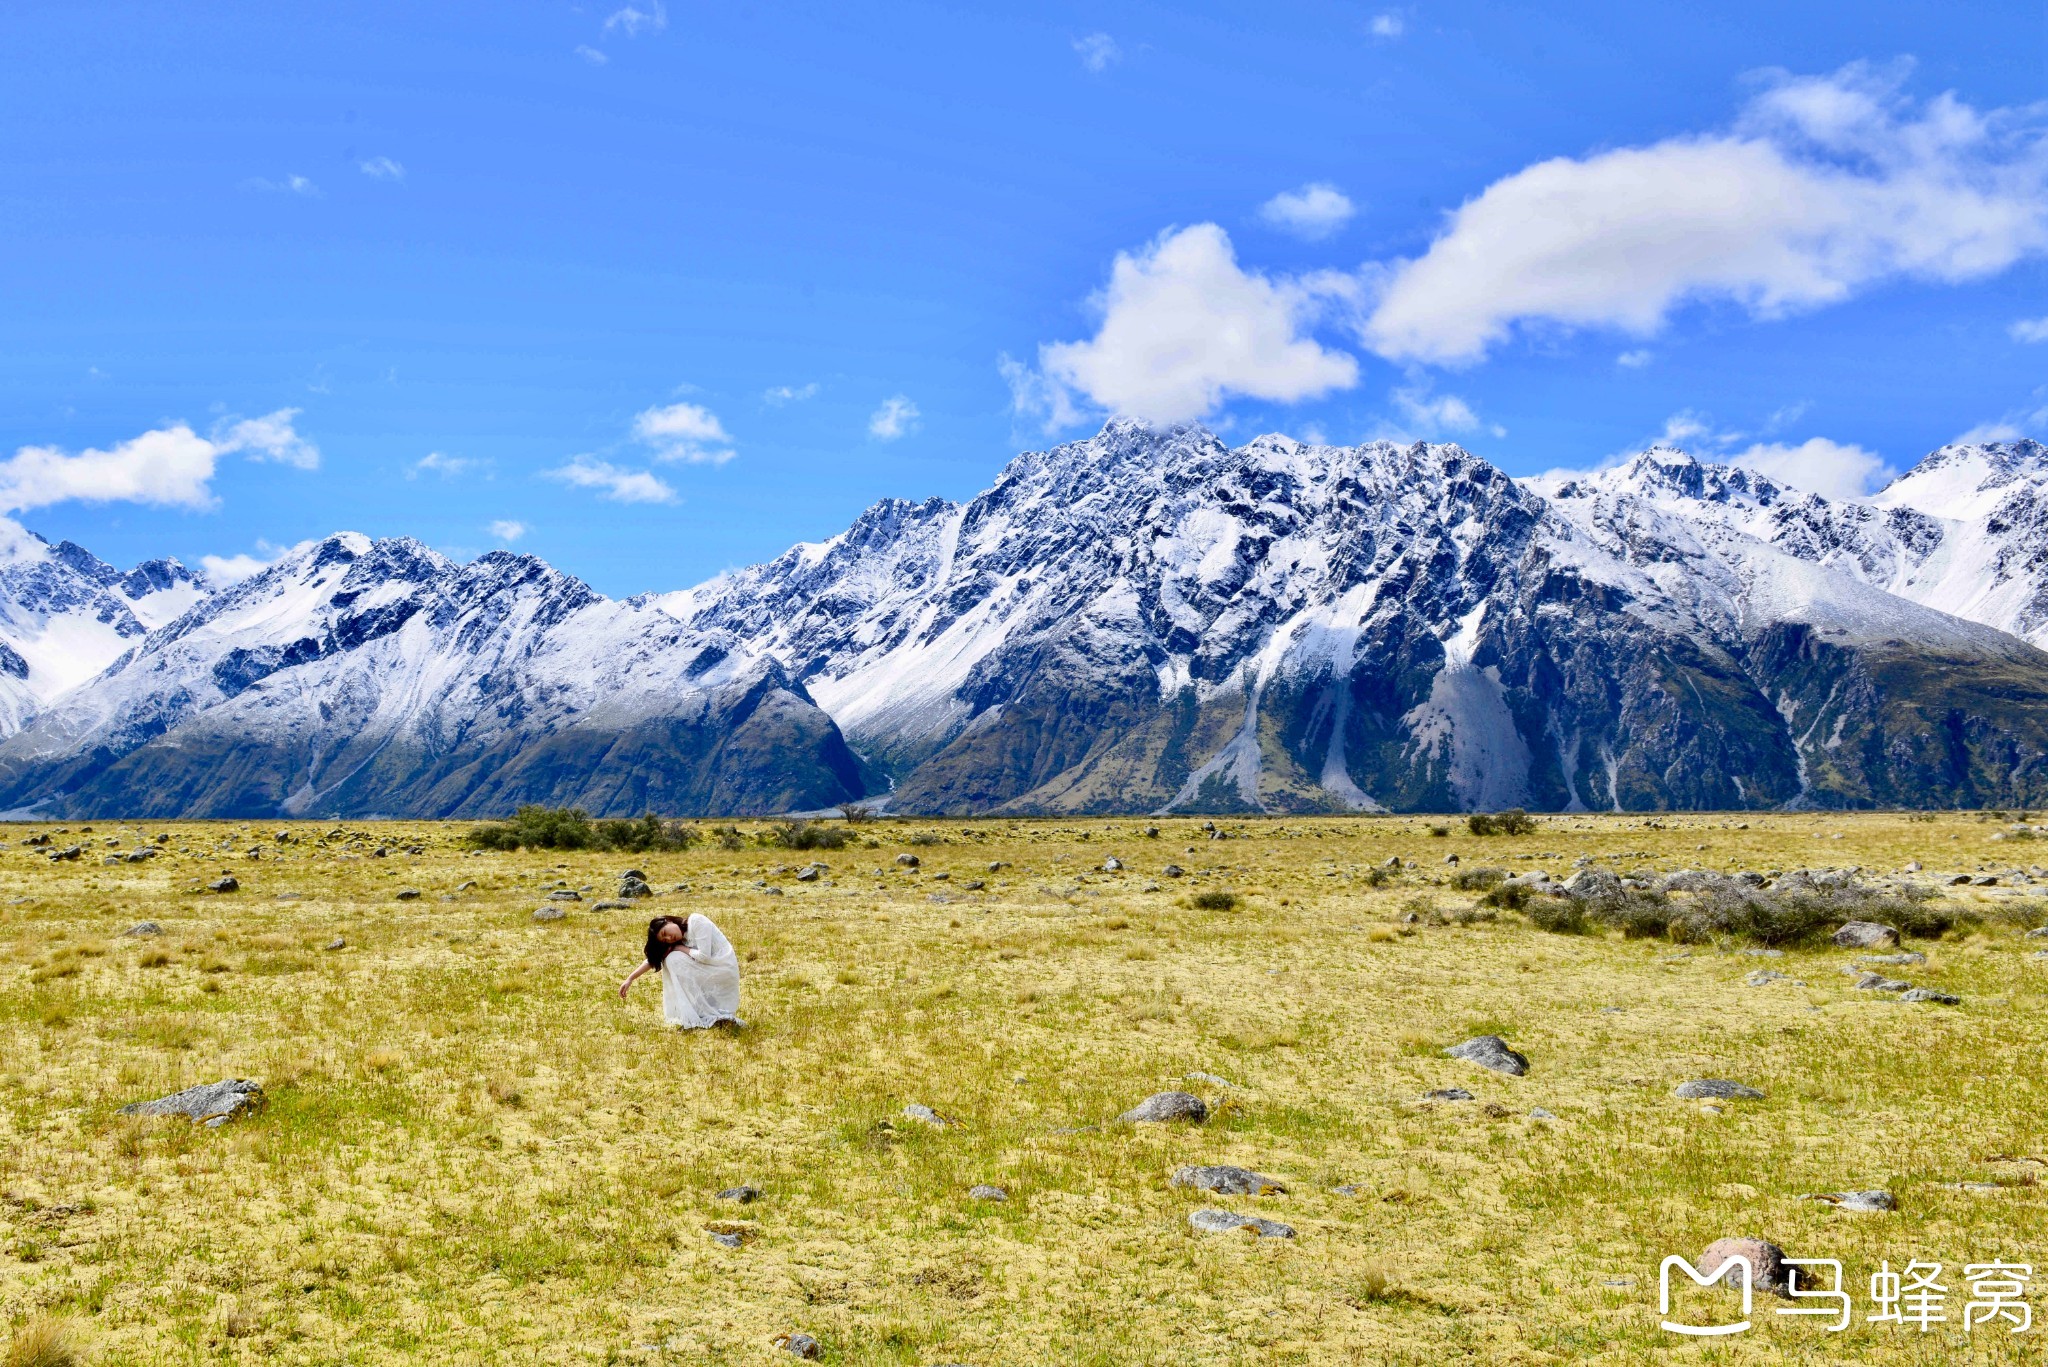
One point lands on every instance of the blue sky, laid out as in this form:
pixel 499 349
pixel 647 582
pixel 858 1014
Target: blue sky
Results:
pixel 652 289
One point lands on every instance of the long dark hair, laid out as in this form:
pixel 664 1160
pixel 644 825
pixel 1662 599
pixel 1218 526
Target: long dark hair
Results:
pixel 657 950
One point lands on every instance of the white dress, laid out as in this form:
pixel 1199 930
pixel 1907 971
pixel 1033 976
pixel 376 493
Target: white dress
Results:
pixel 700 978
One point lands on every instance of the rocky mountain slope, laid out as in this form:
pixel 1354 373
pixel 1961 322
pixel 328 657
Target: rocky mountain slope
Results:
pixel 1145 620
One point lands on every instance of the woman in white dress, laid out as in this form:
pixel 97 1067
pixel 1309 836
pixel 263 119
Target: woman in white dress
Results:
pixel 700 974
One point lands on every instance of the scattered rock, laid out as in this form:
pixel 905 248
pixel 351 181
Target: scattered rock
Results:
pixel 1162 1107
pixel 1911 956
pixel 227 882
pixel 70 852
pixel 208 1101
pixel 1763 953
pixel 1112 865
pixel 1866 935
pixel 1912 867
pixel 408 894
pixel 1763 977
pixel 1594 884
pixel 1715 1088
pixel 1928 994
pixel 1491 1051
pixel 1224 1222
pixel 985 1192
pixel 771 892
pixel 915 1111
pixel 998 865
pixel 1173 871
pixel 1877 982
pixel 1209 1078
pixel 726 1237
pixel 1959 880
pixel 2038 933
pixel 337 943
pixel 550 914
pixel 565 895
pixel 144 928
pixel 603 906
pixel 745 1195
pixel 1448 1094
pixel 1226 1181
pixel 1348 1189
pixel 907 861
pixel 974 885
pixel 1864 1201
pixel 802 1345
pixel 1538 1113
pixel 810 873
pixel 1766 1261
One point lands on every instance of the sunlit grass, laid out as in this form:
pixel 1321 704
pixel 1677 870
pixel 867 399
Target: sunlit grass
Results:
pixel 473 1153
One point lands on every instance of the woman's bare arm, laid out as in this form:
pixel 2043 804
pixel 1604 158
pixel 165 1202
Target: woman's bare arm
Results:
pixel 632 978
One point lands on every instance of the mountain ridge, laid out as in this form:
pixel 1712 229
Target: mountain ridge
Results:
pixel 1143 620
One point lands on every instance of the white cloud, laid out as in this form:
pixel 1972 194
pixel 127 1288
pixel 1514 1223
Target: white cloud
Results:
pixel 1098 51
pixel 1832 469
pixel 591 54
pixel 270 437
pixel 435 462
pixel 381 168
pixel 685 432
pixel 223 570
pixel 1636 359
pixel 290 185
pixel 1313 212
pixel 784 393
pixel 1437 414
pixel 897 417
pixel 2030 330
pixel 508 531
pixel 169 466
pixel 644 16
pixel 1184 328
pixel 1826 185
pixel 1388 24
pixel 612 482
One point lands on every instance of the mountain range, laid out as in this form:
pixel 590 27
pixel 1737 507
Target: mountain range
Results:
pixel 1147 620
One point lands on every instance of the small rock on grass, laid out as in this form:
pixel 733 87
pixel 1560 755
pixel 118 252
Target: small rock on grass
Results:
pixel 1715 1088
pixel 1538 1113
pixel 1225 1222
pixel 1866 935
pixel 550 914
pixel 916 1111
pixel 985 1192
pixel 408 894
pixel 209 1101
pixel 1928 994
pixel 1226 1180
pixel 729 1240
pixel 1764 977
pixel 144 928
pixel 337 943
pixel 1911 956
pixel 802 1345
pixel 1448 1094
pixel 1766 1261
pixel 1491 1051
pixel 1877 982
pixel 745 1195
pixel 225 883
pixel 1162 1107
pixel 1209 1078
pixel 1863 1201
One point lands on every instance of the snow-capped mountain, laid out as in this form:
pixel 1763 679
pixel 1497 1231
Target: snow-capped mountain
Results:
pixel 65 615
pixel 1145 620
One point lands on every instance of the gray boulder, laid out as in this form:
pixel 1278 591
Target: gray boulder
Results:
pixel 1226 1181
pixel 144 929
pixel 1867 1202
pixel 1866 935
pixel 1594 884
pixel 1491 1051
pixel 802 1345
pixel 550 914
pixel 1225 1222
pixel 408 894
pixel 209 1101
pixel 1715 1089
pixel 916 1111
pixel 227 882
pixel 985 1192
pixel 907 861
pixel 745 1195
pixel 1911 956
pixel 1766 1261
pixel 1877 982
pixel 1162 1107
pixel 1928 994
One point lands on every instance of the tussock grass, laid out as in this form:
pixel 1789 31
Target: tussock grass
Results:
pixel 474 1153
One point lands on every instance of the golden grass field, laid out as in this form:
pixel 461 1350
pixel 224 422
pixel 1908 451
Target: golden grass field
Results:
pixel 473 1153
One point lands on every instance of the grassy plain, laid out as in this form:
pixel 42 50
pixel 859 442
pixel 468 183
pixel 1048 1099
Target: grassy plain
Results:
pixel 474 1153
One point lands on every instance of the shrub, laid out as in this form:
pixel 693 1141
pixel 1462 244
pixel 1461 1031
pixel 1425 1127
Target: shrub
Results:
pixel 1479 823
pixel 1214 901
pixel 536 827
pixel 1559 915
pixel 1477 880
pixel 729 837
pixel 1511 897
pixel 855 813
pixel 43 1342
pixel 805 835
pixel 1439 831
